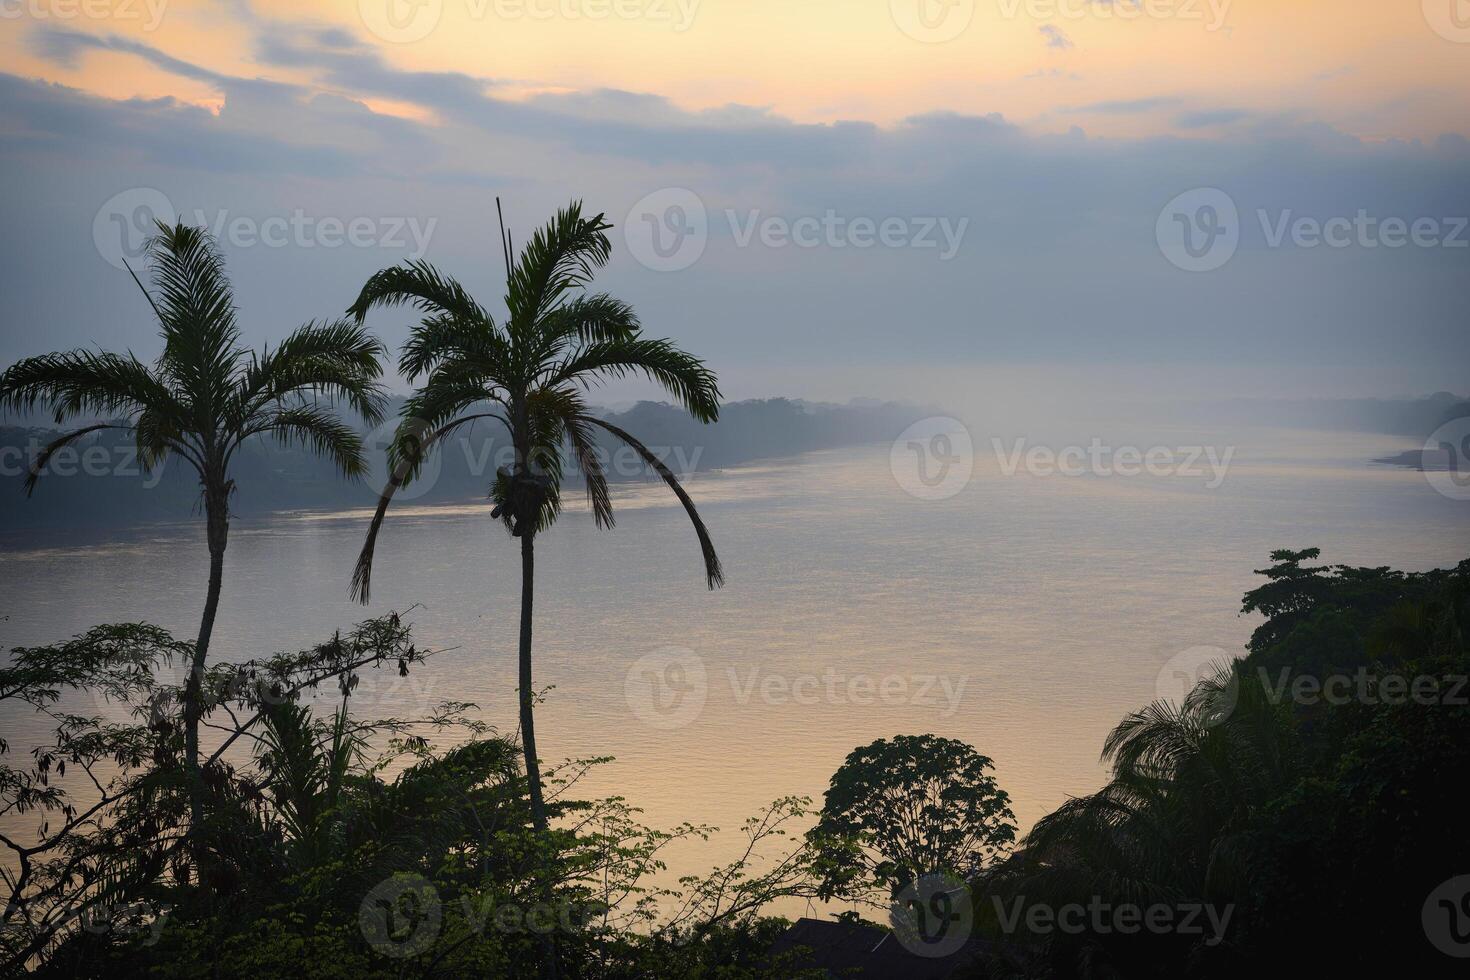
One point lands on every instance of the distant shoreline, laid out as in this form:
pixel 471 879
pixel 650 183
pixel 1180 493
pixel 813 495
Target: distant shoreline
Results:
pixel 1417 459
pixel 87 533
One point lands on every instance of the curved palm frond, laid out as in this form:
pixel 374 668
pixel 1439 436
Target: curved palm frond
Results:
pixel 595 319
pixel 462 382
pixel 422 285
pixel 443 338
pixel 589 461
pixel 71 383
pixel 448 395
pixel 1157 738
pixel 159 433
pixel 320 430
pixel 569 412
pixel 33 472
pixel 82 382
pixel 713 571
pixel 337 359
pixel 682 374
pixel 412 453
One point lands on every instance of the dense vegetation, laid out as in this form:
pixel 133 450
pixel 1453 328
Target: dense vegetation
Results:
pixel 1306 820
pixel 1312 792
pixel 333 845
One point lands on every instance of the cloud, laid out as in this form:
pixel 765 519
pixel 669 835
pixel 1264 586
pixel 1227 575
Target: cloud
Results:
pixel 1055 37
pixel 1209 117
pixel 635 125
pixel 66 47
pixel 1059 262
pixel 1126 106
pixel 166 133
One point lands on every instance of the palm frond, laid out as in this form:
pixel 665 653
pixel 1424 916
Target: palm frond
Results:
pixel 682 374
pixel 713 571
pixel 33 474
pixel 75 382
pixel 362 572
pixel 1156 738
pixel 320 430
pixel 422 285
pixel 455 385
pixel 442 401
pixel 160 433
pixel 442 338
pixel 590 319
pixel 569 420
pixel 560 257
pixel 336 359
pixel 197 307
pixel 409 459
pixel 599 499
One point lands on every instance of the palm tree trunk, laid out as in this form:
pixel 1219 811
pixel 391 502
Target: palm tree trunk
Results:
pixel 217 530
pixel 528 724
pixel 549 966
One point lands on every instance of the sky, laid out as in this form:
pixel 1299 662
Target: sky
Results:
pixel 1017 201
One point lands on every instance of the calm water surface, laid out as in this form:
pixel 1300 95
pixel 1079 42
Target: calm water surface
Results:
pixel 1024 615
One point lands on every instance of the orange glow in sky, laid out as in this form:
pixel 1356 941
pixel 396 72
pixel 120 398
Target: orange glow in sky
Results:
pixel 1121 68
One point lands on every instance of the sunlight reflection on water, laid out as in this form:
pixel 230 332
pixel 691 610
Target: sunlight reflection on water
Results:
pixel 1044 607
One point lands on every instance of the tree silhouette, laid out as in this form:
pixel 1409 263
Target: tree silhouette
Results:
pixel 529 374
pixel 202 399
pixel 901 808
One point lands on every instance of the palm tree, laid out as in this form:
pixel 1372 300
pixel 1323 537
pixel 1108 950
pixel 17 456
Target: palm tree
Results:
pixel 202 399
pixel 529 373
pixel 1178 819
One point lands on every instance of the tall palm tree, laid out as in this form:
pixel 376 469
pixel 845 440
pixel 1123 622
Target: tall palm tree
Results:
pixel 530 373
pixel 203 398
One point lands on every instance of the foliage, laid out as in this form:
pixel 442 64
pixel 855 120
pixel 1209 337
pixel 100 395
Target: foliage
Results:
pixel 118 789
pixel 529 374
pixel 202 400
pixel 1296 812
pixel 909 806
pixel 340 846
pixel 205 395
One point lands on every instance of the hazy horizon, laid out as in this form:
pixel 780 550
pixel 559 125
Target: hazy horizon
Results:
pixel 1013 241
